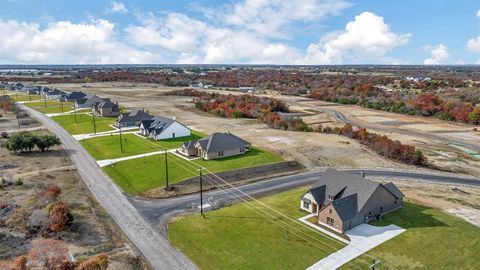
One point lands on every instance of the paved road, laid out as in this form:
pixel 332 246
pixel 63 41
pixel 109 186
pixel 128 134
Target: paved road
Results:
pixel 158 211
pixel 339 116
pixel 155 248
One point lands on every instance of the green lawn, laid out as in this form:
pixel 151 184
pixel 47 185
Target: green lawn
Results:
pixel 142 174
pixel 84 123
pixel 56 109
pixel 237 237
pixel 48 103
pixel 24 97
pixel 108 147
pixel 434 240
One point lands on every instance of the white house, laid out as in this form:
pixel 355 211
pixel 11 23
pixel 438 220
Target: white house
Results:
pixel 160 128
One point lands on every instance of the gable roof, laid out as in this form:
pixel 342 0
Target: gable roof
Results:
pixel 346 207
pixel 221 141
pixel 107 104
pixel 392 188
pixel 157 124
pixel 76 95
pixel 134 116
pixel 341 184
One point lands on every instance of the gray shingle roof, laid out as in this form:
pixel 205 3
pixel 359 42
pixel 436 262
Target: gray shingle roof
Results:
pixel 341 184
pixel 134 116
pixel 157 124
pixel 346 207
pixel 394 190
pixel 222 141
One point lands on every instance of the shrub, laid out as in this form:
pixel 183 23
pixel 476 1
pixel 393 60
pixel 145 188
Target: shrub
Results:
pixel 98 262
pixel 38 221
pixel 4 135
pixel 60 218
pixel 48 253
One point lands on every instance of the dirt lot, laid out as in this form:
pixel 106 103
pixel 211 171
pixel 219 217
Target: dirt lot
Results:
pixel 308 148
pixel 24 176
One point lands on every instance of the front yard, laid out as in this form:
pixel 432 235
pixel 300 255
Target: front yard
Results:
pixel 139 175
pixel 237 237
pixel 108 147
pixel 434 240
pixel 24 97
pixel 84 123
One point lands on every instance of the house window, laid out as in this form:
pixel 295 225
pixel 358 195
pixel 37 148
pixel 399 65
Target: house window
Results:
pixel 306 205
pixel 173 135
pixel 330 221
pixel 330 211
pixel 395 202
pixel 330 197
pixel 381 209
pixel 370 214
pixel 220 154
pixel 242 150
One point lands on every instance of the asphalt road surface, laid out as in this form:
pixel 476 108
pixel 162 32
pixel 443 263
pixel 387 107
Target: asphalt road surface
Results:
pixel 156 249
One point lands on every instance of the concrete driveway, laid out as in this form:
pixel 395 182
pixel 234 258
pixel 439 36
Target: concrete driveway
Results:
pixel 363 238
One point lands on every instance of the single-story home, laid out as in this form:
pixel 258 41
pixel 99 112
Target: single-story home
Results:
pixel 88 102
pixel 217 145
pixel 342 201
pixel 54 94
pixel 133 118
pixel 73 96
pixel 159 128
pixel 106 108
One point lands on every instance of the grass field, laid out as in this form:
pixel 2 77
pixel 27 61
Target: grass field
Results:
pixel 56 109
pixel 49 103
pixel 84 124
pixel 24 97
pixel 434 240
pixel 237 237
pixel 108 147
pixel 142 174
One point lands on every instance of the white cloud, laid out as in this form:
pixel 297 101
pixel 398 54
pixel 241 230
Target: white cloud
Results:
pixel 177 32
pixel 368 37
pixel 473 45
pixel 269 17
pixel 66 42
pixel 439 54
pixel 117 7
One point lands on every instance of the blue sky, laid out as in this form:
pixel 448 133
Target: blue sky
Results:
pixel 240 31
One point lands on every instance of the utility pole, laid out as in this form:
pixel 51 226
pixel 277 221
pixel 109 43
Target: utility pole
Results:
pixel 29 96
pixel 374 262
pixel 121 142
pixel 61 103
pixel 94 124
pixel 75 113
pixel 18 118
pixel 166 169
pixel 45 101
pixel 201 193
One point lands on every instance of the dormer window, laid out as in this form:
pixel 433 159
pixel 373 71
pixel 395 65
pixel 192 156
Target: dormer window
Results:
pixel 330 197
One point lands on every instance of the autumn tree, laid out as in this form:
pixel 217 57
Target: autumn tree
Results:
pixel 98 262
pixel 59 218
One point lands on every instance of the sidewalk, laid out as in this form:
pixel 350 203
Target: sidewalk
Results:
pixel 362 238
pixel 107 162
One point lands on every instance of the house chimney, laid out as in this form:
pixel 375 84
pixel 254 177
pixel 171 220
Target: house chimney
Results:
pixel 362 174
pixel 174 118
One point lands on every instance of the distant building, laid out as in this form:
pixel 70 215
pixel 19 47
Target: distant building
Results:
pixel 106 108
pixel 159 128
pixel 54 94
pixel 215 146
pixel 342 201
pixel 133 118
pixel 246 89
pixel 88 102
pixel 74 96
